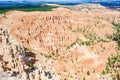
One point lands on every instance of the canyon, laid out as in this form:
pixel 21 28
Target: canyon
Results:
pixel 67 43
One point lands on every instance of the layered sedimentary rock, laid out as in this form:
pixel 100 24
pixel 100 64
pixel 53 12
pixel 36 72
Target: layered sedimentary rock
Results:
pixel 17 63
pixel 88 7
pixel 76 44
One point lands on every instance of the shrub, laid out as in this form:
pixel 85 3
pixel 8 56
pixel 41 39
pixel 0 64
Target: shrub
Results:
pixel 88 73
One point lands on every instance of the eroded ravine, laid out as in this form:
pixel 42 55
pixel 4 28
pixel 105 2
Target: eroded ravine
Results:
pixel 77 44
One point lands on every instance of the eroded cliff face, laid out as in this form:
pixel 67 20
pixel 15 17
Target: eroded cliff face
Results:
pixel 72 43
pixel 16 62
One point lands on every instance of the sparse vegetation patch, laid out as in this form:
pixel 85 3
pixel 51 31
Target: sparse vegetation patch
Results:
pixel 116 36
